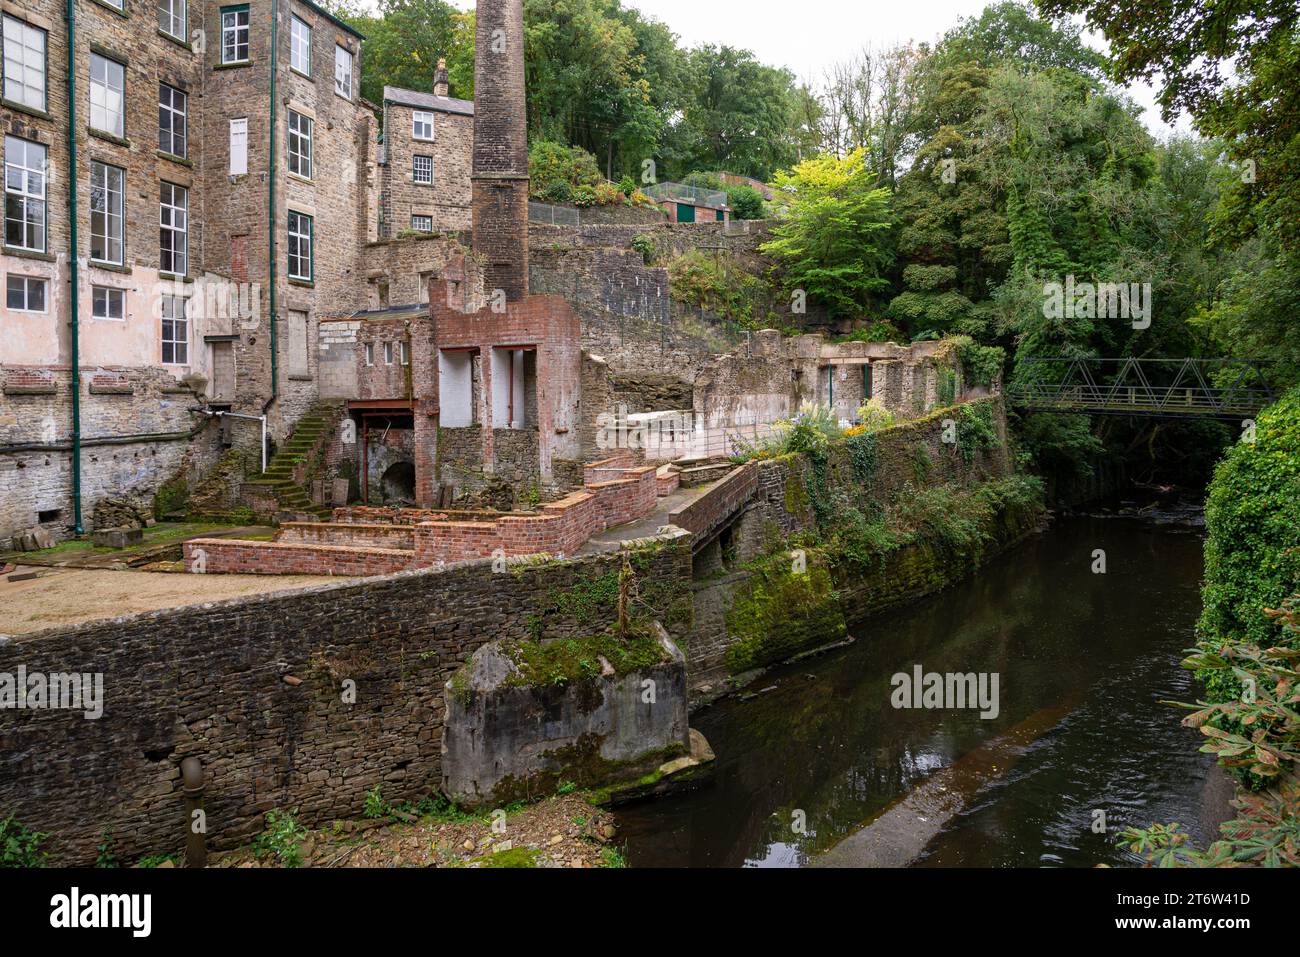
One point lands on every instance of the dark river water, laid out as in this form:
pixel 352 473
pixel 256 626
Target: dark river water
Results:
pixel 1084 660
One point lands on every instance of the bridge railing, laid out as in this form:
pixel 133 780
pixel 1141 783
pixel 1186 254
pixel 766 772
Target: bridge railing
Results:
pixel 1157 387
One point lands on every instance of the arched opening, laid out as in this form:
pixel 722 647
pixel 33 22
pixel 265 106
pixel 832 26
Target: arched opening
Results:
pixel 398 482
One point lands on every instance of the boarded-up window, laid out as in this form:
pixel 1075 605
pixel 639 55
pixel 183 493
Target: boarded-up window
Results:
pixel 238 147
pixel 299 364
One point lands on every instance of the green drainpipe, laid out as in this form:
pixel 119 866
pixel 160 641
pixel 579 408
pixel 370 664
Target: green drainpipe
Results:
pixel 76 278
pixel 270 211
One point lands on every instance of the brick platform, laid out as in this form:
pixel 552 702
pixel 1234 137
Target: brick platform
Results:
pixel 375 541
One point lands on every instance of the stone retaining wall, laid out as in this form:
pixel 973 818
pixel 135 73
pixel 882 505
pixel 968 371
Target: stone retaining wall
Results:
pixel 299 700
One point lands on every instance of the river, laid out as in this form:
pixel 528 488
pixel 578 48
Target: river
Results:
pixel 815 758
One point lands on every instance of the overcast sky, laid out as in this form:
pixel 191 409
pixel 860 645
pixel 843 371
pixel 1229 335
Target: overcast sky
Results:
pixel 805 36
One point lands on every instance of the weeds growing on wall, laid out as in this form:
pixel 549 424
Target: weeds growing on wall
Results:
pixel 976 433
pixel 19 845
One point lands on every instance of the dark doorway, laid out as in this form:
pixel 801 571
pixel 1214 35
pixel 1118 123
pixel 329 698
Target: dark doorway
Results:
pixel 398 483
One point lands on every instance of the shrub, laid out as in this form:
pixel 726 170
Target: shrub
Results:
pixel 645 245
pixel 550 162
pixel 745 202
pixel 283 837
pixel 982 364
pixel 557 192
pixel 873 416
pixel 1252 552
pixel 19 846
pixel 699 279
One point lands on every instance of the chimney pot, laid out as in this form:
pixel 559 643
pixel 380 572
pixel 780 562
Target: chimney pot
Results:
pixel 440 78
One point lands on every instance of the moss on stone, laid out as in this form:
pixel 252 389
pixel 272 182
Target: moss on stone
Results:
pixel 515 857
pixel 571 659
pixel 780 612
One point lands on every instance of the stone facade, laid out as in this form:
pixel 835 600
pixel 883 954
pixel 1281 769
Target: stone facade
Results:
pixel 271 137
pixel 425 171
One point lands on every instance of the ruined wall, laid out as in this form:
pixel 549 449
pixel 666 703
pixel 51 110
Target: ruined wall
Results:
pixel 209 681
pixel 753 610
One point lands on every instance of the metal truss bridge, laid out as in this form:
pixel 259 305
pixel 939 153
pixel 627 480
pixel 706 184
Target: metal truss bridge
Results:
pixel 1157 388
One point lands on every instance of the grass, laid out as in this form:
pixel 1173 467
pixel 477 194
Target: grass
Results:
pixel 165 533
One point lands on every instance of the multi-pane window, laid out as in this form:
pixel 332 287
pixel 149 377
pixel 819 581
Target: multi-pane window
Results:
pixel 342 72
pixel 107 223
pixel 173 232
pixel 24 194
pixel 300 240
pixel 300 136
pixel 234 34
pixel 422 224
pixel 108 303
pixel 370 353
pixel 26 293
pixel 388 353
pixel 422 169
pixel 24 63
pixel 238 147
pixel 171 18
pixel 422 125
pixel 175 332
pixel 300 46
pixel 173 104
pixel 107 95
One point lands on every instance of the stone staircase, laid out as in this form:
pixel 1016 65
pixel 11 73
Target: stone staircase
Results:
pixel 288 472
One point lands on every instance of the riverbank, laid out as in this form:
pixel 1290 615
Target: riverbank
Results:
pixel 561 831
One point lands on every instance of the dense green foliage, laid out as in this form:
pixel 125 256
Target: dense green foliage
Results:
pixel 1252 552
pixel 20 846
pixel 834 243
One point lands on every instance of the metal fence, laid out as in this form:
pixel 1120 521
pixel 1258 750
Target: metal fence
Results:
pixel 690 194
pixel 554 215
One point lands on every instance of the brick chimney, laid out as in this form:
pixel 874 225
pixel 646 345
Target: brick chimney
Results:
pixel 500 170
pixel 440 79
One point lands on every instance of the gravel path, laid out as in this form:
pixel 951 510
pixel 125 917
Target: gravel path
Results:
pixel 69 596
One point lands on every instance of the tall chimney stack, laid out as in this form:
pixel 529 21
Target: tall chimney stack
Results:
pixel 500 171
pixel 440 86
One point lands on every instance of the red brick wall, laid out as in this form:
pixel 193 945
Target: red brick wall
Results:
pixel 352 535
pixel 228 556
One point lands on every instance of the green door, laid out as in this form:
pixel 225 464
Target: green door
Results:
pixel 685 213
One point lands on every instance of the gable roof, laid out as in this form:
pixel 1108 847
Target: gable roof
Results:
pixel 428 101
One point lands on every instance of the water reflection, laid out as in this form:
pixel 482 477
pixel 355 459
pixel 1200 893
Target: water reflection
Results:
pixel 1100 650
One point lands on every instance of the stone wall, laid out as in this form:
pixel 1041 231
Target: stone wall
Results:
pixel 137 433
pixel 211 681
pixel 753 610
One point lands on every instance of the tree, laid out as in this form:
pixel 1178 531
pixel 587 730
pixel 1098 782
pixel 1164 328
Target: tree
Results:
pixel 404 42
pixel 737 114
pixel 835 240
pixel 1233 67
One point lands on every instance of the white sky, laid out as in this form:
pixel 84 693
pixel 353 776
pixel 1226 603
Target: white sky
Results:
pixel 806 36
